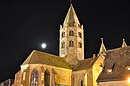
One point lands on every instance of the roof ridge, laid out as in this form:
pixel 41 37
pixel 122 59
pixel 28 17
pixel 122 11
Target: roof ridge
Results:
pixel 47 53
pixel 39 57
pixel 116 49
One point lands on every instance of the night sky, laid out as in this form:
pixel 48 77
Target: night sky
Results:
pixel 25 24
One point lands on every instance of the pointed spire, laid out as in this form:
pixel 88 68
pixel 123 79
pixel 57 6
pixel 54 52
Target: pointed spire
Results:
pixel 71 18
pixel 102 47
pixel 94 56
pixel 124 43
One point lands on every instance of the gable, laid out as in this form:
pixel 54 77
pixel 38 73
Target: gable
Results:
pixel 38 57
pixel 84 65
pixel 117 60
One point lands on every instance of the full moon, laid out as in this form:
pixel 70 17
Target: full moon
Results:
pixel 43 45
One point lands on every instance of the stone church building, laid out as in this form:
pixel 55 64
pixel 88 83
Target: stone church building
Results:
pixel 107 68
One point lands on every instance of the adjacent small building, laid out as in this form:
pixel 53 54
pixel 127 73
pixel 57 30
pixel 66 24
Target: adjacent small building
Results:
pixel 116 69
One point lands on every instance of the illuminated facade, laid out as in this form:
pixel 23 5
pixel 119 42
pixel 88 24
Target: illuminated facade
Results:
pixel 69 68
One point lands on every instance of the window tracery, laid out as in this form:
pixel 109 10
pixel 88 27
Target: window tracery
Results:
pixel 34 78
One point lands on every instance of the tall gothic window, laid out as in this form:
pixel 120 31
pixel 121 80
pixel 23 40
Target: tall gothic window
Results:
pixel 71 43
pixel 71 33
pixel 47 78
pixel 34 78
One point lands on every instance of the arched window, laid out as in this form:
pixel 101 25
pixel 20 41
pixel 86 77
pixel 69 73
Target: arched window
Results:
pixel 80 45
pixel 47 78
pixel 81 83
pixel 71 33
pixel 80 35
pixel 34 78
pixel 63 34
pixel 71 43
pixel 63 45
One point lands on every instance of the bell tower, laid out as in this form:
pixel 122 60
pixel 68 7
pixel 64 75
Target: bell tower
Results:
pixel 71 38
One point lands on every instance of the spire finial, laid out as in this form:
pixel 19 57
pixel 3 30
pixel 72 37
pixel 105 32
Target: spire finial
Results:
pixel 123 39
pixel 94 56
pixel 102 47
pixel 124 43
pixel 101 40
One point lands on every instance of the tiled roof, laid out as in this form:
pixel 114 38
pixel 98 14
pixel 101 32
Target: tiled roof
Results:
pixel 38 57
pixel 85 64
pixel 117 60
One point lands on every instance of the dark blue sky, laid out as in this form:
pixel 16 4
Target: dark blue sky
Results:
pixel 25 24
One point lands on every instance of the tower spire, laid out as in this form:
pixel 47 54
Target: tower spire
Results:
pixel 71 17
pixel 124 43
pixel 102 47
pixel 71 38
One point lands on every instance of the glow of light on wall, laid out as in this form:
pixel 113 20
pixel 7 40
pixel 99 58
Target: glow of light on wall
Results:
pixel 128 80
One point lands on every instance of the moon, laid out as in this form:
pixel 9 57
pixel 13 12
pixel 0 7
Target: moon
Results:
pixel 43 45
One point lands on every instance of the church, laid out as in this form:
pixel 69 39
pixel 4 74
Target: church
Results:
pixel 70 68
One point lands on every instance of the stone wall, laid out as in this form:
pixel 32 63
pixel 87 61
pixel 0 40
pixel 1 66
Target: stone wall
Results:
pixel 57 75
pixel 78 77
pixel 97 69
